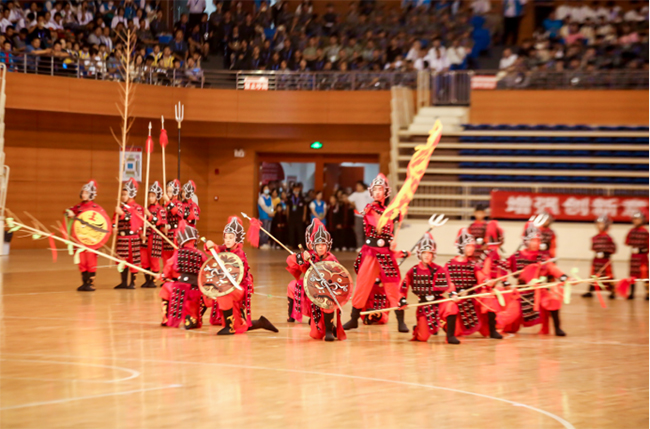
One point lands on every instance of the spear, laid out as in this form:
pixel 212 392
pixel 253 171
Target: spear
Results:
pixel 163 140
pixel 179 111
pixel 479 295
pixel 37 233
pixel 149 148
pixel 156 230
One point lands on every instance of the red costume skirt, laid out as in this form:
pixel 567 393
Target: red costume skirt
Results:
pixel 429 319
pixel 301 304
pixel 521 309
pixel 376 263
pixel 639 266
pixel 184 302
pixel 128 248
pixel 317 324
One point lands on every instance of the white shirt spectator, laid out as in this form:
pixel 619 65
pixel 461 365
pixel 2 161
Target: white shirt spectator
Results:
pixel 4 24
pixel 481 7
pixel 563 12
pixel 360 200
pixel 456 56
pixel 14 15
pixel 633 15
pixel 580 14
pixel 53 25
pixel 439 63
pixel 418 64
pixel 413 54
pixel 84 17
pixel 107 7
pixel 107 41
pixel 116 20
pixel 507 62
pixel 196 6
pixel 510 8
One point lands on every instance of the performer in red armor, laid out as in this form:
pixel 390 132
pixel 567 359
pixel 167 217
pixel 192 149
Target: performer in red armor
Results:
pixel 478 229
pixel 377 257
pixel 182 301
pixel 463 274
pixel 191 210
pixel 233 310
pixel 637 239
pixel 298 303
pixel 128 219
pixel 152 243
pixel 321 320
pixel 604 247
pixel 534 307
pixel 491 266
pixel 87 260
pixel 428 281
pixel 377 300
pixel 174 208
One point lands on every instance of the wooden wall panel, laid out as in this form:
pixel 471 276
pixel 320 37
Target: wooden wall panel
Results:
pixel 59 94
pixel 560 107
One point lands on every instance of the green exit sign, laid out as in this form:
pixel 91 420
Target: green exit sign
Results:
pixel 316 145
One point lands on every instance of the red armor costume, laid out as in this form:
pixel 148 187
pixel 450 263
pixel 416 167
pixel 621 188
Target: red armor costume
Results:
pixel 428 281
pixel 534 307
pixel 233 311
pixel 298 303
pixel 87 260
pixel 173 207
pixel 191 210
pixel 478 230
pixel 321 320
pixel 152 246
pixel 603 246
pixel 637 239
pixel 377 300
pixel 182 302
pixel 376 260
pixel 129 225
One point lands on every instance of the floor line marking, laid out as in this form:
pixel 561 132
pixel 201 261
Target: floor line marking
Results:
pixel 134 373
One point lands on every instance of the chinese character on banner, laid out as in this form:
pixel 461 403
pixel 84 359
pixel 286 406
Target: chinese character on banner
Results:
pixel 548 204
pixel 577 206
pixel 604 206
pixel 632 206
pixel 519 205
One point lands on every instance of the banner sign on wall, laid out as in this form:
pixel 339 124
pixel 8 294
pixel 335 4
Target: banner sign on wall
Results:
pixel 256 83
pixel 484 82
pixel 522 205
pixel 132 164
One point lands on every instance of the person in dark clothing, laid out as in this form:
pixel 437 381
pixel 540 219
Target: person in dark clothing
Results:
pixel 296 217
pixel 335 218
pixel 348 223
pixel 279 225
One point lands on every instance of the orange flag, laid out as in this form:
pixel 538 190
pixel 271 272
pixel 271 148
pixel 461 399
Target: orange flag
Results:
pixel 414 172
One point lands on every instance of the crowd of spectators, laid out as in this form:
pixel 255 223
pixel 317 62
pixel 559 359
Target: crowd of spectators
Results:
pixel 582 38
pixel 287 209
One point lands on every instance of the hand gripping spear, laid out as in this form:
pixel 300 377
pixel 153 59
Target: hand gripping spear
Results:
pixel 434 221
pixel 322 280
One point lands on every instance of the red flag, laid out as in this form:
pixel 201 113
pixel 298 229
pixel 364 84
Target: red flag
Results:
pixel 163 138
pixel 623 287
pixel 52 247
pixel 253 233
pixel 150 145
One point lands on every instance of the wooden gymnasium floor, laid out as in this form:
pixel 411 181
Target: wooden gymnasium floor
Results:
pixel 101 360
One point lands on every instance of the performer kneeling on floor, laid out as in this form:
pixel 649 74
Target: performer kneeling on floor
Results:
pixel 297 302
pixel 233 310
pixel 534 307
pixel 377 257
pixel 429 281
pixel 182 301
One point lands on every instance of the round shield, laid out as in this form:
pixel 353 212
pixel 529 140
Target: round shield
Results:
pixel 92 228
pixel 328 281
pixel 214 282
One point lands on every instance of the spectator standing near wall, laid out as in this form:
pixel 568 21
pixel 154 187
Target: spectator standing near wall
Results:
pixel 196 8
pixel 265 208
pixel 318 208
pixel 360 199
pixel 513 10
pixel 296 217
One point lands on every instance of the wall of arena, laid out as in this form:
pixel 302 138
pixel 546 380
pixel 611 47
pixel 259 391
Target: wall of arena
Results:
pixel 58 136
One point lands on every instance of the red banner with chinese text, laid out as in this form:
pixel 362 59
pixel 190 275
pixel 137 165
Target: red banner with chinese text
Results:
pixel 522 205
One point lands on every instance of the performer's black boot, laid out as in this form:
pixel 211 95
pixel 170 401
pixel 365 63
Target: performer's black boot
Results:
pixel 146 281
pixel 555 314
pixel 353 323
pixel 87 285
pixel 263 323
pixel 631 295
pixel 329 326
pixel 492 321
pixel 91 280
pixel 401 326
pixel 132 284
pixel 229 329
pixel 451 330
pixel 125 275
pixel 290 318
pixel 589 294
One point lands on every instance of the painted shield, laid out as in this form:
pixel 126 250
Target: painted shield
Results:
pixel 329 278
pixel 92 228
pixel 213 282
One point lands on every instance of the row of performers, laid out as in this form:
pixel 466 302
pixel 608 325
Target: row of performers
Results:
pixel 135 243
pixel 479 262
pixel 602 244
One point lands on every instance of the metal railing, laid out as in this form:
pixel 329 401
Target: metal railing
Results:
pixel 569 79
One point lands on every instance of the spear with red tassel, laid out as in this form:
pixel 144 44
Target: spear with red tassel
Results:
pixel 149 148
pixel 163 140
